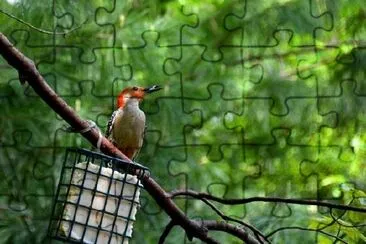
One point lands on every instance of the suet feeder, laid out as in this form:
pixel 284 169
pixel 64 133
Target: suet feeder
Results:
pixel 96 200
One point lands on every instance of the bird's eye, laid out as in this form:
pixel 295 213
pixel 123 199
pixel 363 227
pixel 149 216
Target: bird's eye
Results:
pixel 134 88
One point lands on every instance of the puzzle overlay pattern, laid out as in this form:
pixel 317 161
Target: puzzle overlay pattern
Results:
pixel 260 98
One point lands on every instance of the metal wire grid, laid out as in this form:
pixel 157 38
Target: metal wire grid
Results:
pixel 71 167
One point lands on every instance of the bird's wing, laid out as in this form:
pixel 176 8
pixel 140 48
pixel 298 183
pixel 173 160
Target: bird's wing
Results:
pixel 110 124
pixel 136 154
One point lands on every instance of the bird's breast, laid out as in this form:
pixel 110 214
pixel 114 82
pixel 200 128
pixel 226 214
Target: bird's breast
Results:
pixel 128 130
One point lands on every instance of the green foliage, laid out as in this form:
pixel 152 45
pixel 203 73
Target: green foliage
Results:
pixel 207 130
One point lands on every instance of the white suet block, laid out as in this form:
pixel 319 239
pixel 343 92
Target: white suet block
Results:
pixel 106 195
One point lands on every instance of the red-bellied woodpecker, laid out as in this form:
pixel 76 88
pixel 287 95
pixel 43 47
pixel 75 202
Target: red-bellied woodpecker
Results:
pixel 126 126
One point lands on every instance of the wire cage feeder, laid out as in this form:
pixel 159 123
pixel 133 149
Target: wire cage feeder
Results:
pixel 96 199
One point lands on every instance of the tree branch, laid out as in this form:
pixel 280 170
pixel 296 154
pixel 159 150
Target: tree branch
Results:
pixel 306 229
pixel 202 195
pixel 28 72
pixel 39 29
pixel 166 231
pixel 229 228
pixel 228 218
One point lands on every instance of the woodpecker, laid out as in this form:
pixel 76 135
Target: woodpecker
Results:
pixel 126 126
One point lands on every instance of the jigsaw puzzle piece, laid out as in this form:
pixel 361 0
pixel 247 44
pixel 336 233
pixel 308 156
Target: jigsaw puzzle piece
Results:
pixel 68 14
pixel 279 160
pixel 350 107
pixel 212 132
pixel 305 121
pixel 28 216
pixel 251 118
pixel 209 26
pixel 116 15
pixel 14 215
pixel 317 67
pixel 141 71
pixel 26 167
pixel 162 118
pixel 346 21
pixel 327 180
pixel 196 171
pixel 272 16
pixel 20 108
pixel 332 176
pixel 218 174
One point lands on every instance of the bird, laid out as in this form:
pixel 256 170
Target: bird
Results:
pixel 126 127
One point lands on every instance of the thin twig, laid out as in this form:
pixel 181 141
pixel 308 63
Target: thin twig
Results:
pixel 166 231
pixel 41 30
pixel 228 218
pixel 238 201
pixel 306 229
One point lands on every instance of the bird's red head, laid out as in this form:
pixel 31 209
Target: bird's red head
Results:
pixel 134 92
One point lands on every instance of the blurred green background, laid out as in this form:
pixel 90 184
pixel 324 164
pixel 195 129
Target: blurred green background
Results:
pixel 260 98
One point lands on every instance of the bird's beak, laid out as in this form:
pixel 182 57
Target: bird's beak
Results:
pixel 152 89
